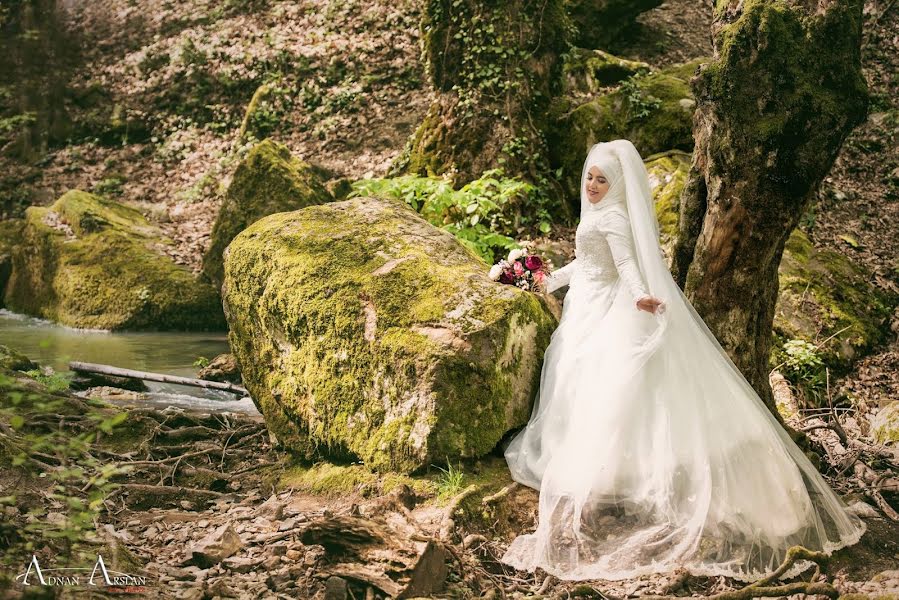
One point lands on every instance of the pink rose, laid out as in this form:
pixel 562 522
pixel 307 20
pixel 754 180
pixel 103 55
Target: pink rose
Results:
pixel 533 262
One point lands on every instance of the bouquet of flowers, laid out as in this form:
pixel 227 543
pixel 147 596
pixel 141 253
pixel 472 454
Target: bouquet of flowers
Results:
pixel 520 269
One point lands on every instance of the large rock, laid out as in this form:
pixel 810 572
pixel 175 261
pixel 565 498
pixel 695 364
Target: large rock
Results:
pixel 885 424
pixel 654 111
pixel 269 180
pixel 89 262
pixel 822 293
pixel 600 22
pixel 362 331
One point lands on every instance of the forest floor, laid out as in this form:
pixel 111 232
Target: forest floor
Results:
pixel 209 509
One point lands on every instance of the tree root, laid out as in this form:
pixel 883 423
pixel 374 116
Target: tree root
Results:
pixel 762 588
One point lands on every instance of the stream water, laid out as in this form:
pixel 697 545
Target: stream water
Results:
pixel 172 353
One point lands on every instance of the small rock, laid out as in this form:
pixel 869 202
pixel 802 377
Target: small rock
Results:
pixel 222 368
pixel 240 564
pixel 293 554
pixel 287 525
pixel 335 588
pixel 272 509
pixel 864 510
pixel 216 546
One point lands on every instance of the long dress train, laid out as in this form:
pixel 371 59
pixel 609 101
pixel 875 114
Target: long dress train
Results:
pixel 649 460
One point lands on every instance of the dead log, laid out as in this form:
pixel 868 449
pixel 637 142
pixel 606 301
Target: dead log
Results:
pixel 83 367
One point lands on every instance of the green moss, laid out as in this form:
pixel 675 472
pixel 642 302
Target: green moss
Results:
pixel 103 267
pixel 654 111
pixel 823 292
pixel 808 67
pixel 587 71
pixel 364 332
pixel 269 180
pixel 667 177
pixel 10 237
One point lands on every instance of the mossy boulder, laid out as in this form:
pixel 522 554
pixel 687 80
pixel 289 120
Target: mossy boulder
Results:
pixel 822 292
pixel 667 176
pixel 269 180
pixel 885 424
pixel 652 110
pixel 588 71
pixel 364 332
pixel 10 237
pixel 89 262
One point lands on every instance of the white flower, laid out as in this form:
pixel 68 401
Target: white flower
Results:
pixel 495 272
pixel 516 254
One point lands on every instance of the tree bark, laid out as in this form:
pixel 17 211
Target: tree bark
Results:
pixel 495 66
pixel 772 111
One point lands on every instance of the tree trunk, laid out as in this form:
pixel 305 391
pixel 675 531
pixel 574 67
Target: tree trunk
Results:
pixel 772 111
pixel 494 66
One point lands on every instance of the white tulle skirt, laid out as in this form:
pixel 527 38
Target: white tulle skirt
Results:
pixel 650 456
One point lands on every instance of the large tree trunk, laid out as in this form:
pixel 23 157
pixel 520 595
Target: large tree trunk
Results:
pixel 772 112
pixel 495 66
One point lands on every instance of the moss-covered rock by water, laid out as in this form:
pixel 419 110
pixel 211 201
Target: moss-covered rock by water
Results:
pixel 364 332
pixel 89 262
pixel 269 180
pixel 654 111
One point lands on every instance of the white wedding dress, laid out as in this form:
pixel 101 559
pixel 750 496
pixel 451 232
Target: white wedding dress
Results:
pixel 649 448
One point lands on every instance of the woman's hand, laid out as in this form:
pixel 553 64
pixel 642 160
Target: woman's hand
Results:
pixel 651 304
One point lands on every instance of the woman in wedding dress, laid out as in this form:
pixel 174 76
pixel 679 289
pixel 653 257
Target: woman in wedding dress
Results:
pixel 649 448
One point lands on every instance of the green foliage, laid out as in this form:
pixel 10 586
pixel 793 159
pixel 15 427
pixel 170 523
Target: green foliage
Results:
pixel 54 382
pixel 639 105
pixel 109 186
pixel 803 365
pixel 484 214
pixel 449 483
pixel 201 362
pixel 52 436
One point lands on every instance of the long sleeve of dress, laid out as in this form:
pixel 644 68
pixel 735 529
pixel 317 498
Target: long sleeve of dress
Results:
pixel 617 232
pixel 560 277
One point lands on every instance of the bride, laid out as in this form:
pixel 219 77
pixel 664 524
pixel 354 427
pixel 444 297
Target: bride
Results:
pixel 650 450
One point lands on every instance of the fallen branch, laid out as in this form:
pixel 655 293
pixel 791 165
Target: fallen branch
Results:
pixel 83 367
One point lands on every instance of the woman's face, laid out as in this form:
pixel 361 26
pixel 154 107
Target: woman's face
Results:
pixel 597 185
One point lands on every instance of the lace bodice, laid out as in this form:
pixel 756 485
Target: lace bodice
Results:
pixel 604 251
